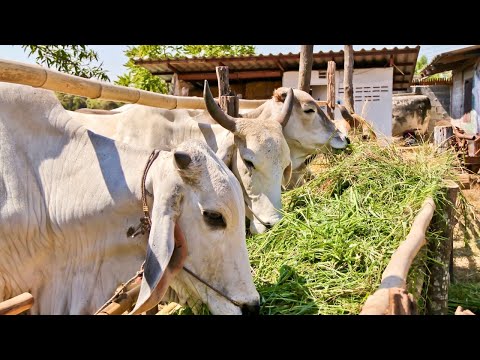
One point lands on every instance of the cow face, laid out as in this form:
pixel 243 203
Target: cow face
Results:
pixel 197 222
pixel 308 127
pixel 260 160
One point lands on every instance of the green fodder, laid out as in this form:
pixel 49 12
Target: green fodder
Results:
pixel 339 231
pixel 466 295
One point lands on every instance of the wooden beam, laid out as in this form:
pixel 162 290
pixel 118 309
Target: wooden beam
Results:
pixel 305 67
pixel 279 65
pixel 314 67
pixel 171 67
pixel 257 74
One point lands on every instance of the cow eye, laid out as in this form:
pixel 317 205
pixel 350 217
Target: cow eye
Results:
pixel 249 164
pixel 309 111
pixel 214 219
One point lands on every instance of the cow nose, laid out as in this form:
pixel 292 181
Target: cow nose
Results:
pixel 251 309
pixel 268 225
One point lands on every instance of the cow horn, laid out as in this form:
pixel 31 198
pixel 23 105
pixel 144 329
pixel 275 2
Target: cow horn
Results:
pixel 226 121
pixel 284 115
pixel 182 159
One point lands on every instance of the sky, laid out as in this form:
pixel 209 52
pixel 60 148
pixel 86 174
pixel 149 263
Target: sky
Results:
pixel 113 57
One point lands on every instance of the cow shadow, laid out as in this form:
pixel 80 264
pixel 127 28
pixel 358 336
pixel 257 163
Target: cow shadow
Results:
pixel 288 296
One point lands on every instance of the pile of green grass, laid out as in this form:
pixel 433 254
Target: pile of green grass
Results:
pixel 339 231
pixel 327 254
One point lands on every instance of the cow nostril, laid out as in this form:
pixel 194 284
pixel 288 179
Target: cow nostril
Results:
pixel 251 309
pixel 268 225
pixel 347 140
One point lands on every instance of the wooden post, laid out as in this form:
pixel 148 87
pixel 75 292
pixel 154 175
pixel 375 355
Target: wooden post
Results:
pixel 331 89
pixel 348 78
pixel 305 67
pixel 441 137
pixel 226 98
pixel 444 221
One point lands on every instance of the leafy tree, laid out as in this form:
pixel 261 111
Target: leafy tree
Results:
pixel 421 63
pixel 141 78
pixel 74 102
pixel 72 59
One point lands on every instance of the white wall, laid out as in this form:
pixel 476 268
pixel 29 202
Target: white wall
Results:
pixel 290 79
pixel 372 94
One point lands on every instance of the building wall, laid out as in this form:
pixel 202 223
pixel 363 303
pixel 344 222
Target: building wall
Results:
pixel 372 93
pixel 469 122
pixel 457 94
pixel 261 89
pixel 439 96
pixel 476 96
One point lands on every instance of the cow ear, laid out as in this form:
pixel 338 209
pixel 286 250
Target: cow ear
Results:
pixel 280 94
pixel 166 254
pixel 287 174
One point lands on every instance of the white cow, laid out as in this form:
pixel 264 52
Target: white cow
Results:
pixel 255 151
pixel 68 196
pixel 307 131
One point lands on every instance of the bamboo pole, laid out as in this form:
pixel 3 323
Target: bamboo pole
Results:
pixel 17 304
pixel 395 274
pixel 169 309
pixel 123 302
pixel 38 76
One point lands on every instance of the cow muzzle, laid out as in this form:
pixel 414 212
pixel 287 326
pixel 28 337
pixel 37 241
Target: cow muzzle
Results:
pixel 251 309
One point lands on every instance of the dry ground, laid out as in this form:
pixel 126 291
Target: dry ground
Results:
pixel 466 245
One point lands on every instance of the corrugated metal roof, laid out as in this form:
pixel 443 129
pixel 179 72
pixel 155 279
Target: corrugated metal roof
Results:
pixel 272 66
pixel 451 60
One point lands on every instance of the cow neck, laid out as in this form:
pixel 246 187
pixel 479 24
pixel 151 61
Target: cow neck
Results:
pixel 245 195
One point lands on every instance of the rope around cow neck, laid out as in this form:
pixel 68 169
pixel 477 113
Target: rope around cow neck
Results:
pixel 260 220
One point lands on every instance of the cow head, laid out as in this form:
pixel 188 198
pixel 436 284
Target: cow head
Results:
pixel 308 129
pixel 198 222
pixel 260 160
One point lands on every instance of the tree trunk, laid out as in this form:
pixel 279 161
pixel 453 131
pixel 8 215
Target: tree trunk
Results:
pixel 305 68
pixel 444 221
pixel 348 78
pixel 227 99
pixel 331 89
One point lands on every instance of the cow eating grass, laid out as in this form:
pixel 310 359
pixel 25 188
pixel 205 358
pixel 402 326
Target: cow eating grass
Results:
pixel 68 196
pixel 255 151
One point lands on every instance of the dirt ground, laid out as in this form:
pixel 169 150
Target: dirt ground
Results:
pixel 466 245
